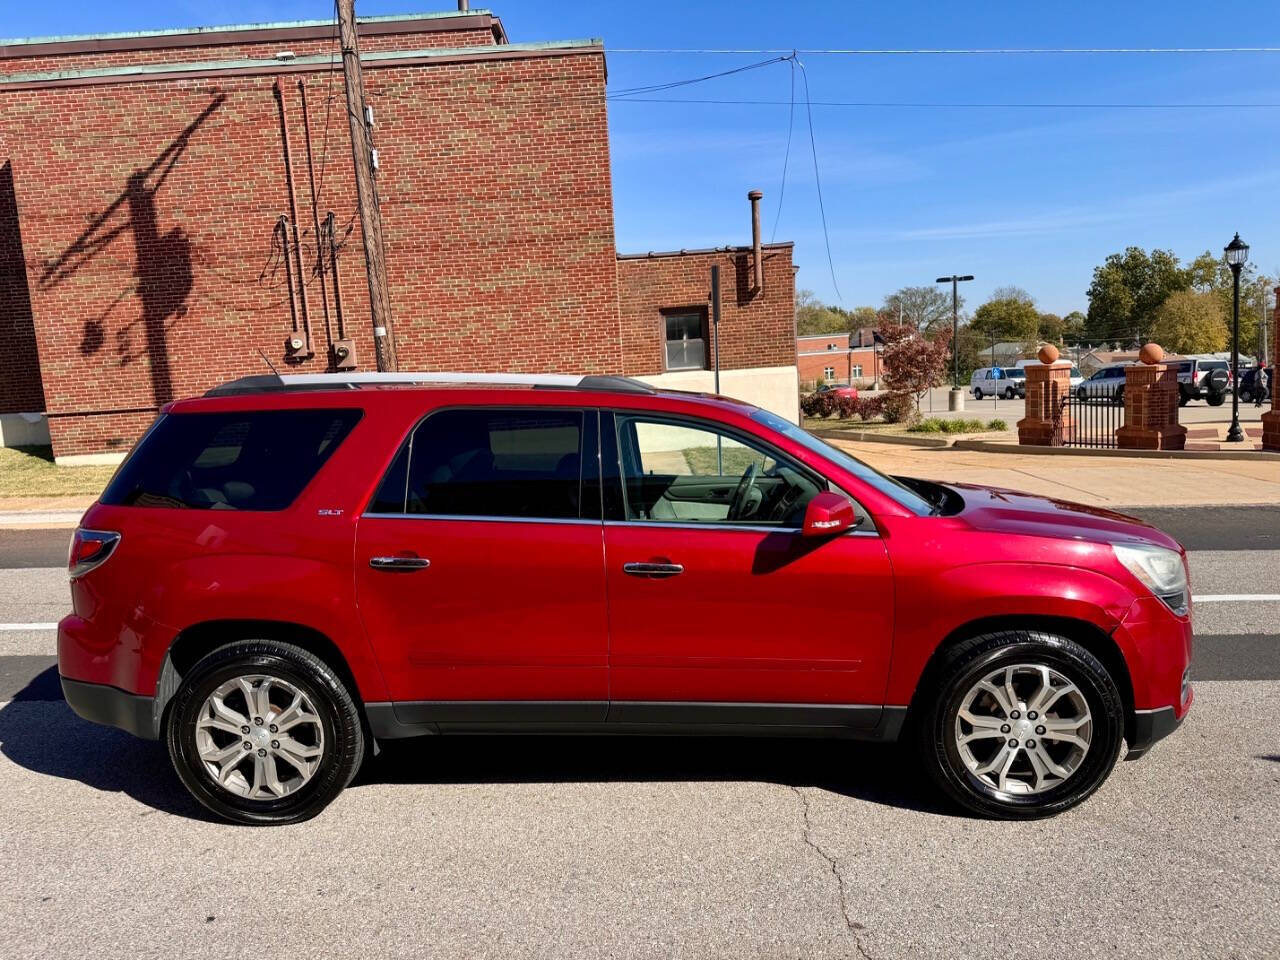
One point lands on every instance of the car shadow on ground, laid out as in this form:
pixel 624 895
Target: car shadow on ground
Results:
pixel 40 733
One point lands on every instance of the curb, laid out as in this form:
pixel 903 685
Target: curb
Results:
pixel 859 436
pixel 18 519
pixel 991 446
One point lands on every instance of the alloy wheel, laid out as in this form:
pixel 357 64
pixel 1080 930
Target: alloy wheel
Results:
pixel 1023 729
pixel 259 737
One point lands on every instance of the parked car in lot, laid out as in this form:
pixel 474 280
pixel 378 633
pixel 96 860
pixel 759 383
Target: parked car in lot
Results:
pixel 1106 383
pixel 1076 377
pixel 1249 385
pixel 1201 379
pixel 1007 382
pixel 289 570
pixel 838 390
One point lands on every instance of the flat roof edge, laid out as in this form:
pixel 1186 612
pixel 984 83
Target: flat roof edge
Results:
pixel 174 32
pixel 273 64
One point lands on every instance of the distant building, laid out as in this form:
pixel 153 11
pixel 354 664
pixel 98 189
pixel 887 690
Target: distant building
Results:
pixel 836 358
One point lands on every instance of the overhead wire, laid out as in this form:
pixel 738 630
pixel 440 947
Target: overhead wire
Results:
pixel 786 156
pixel 817 178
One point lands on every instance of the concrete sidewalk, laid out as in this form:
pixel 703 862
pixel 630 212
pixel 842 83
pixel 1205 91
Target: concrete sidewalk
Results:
pixel 1104 481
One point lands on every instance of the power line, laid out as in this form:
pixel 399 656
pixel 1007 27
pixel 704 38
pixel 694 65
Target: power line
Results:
pixel 786 156
pixel 946 51
pixel 938 104
pixel 657 87
pixel 817 178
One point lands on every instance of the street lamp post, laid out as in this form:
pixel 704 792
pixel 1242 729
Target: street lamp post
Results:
pixel 956 400
pixel 1237 252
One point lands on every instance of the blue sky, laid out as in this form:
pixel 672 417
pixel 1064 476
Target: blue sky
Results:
pixel 1032 196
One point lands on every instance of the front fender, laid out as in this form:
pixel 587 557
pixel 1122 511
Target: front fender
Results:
pixel 964 595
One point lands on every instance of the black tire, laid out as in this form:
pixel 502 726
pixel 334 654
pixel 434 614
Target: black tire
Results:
pixel 1009 393
pixel 1118 399
pixel 967 662
pixel 1246 395
pixel 977 394
pixel 1082 394
pixel 1216 399
pixel 338 714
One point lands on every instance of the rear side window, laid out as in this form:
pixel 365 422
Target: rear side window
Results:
pixel 252 460
pixel 520 463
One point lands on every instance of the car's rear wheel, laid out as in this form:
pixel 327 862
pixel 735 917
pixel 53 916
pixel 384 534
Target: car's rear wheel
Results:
pixel 1009 393
pixel 264 732
pixel 1246 395
pixel 1020 724
pixel 1216 399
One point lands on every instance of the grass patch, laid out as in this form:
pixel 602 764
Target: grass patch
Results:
pixel 959 425
pixel 31 472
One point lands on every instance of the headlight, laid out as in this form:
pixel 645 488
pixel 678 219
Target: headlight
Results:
pixel 1161 570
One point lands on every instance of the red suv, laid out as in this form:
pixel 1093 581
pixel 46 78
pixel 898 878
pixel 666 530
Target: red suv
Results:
pixel 290 569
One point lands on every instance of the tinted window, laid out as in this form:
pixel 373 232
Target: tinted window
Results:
pixel 255 460
pixel 489 463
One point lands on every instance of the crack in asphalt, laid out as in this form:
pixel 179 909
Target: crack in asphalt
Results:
pixel 835 872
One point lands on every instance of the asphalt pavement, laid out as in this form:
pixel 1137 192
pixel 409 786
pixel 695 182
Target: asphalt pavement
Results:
pixel 595 847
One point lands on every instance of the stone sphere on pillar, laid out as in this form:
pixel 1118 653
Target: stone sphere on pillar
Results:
pixel 1048 354
pixel 1151 353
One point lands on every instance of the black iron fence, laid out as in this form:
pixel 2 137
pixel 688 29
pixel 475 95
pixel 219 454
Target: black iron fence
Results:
pixel 1090 421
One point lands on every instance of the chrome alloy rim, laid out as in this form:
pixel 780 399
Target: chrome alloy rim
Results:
pixel 259 737
pixel 1023 729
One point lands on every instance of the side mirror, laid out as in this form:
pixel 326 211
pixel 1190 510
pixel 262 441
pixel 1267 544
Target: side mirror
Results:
pixel 828 514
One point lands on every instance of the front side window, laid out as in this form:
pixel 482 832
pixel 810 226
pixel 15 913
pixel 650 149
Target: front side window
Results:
pixel 686 344
pixel 248 460
pixel 682 472
pixel 510 463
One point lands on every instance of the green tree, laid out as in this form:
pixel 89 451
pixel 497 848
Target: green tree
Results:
pixel 1128 289
pixel 1210 274
pixel 1073 325
pixel 1191 321
pixel 1052 328
pixel 925 308
pixel 813 316
pixel 1010 315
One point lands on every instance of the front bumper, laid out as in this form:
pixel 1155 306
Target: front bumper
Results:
pixel 101 703
pixel 1152 726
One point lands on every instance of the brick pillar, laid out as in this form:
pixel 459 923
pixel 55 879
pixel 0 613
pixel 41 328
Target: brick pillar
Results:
pixel 1271 420
pixel 1048 384
pixel 1151 405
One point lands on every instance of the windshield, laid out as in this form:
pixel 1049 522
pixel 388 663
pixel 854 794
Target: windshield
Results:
pixel 873 478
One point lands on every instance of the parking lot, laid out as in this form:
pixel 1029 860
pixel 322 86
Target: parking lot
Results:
pixel 642 847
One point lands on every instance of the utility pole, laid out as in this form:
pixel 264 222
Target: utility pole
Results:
pixel 1262 321
pixel 362 155
pixel 956 400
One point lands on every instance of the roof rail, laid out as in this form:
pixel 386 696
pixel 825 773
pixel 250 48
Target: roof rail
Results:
pixel 272 382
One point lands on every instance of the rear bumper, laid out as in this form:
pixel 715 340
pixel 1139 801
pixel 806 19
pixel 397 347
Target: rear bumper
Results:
pixel 101 703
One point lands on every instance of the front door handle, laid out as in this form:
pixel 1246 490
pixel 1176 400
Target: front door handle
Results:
pixel 399 563
pixel 656 570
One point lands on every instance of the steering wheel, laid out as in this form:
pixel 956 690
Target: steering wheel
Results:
pixel 739 501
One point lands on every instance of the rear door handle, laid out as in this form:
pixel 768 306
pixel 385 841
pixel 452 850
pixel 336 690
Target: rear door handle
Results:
pixel 653 569
pixel 399 563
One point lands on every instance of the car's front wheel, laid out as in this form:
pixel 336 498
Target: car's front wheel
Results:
pixel 1020 724
pixel 264 732
pixel 977 393
pixel 1009 393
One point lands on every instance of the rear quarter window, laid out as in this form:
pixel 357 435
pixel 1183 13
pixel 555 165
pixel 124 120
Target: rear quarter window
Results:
pixel 246 460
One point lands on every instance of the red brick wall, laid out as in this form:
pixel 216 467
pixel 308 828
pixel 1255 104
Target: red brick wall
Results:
pixel 151 279
pixel 756 329
pixel 811 365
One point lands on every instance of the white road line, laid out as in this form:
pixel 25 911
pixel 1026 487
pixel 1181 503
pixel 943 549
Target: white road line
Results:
pixel 1234 597
pixel 28 626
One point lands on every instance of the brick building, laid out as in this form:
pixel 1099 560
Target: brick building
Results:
pixel 143 178
pixel 836 358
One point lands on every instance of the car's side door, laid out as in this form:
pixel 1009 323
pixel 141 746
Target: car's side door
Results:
pixel 479 568
pixel 717 603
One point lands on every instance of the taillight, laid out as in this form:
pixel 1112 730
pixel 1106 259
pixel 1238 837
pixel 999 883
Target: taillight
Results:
pixel 90 549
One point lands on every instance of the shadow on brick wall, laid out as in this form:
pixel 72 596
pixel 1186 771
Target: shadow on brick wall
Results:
pixel 21 390
pixel 163 276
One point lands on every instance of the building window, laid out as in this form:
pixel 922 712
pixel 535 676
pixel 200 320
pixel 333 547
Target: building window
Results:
pixel 829 373
pixel 857 371
pixel 686 340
